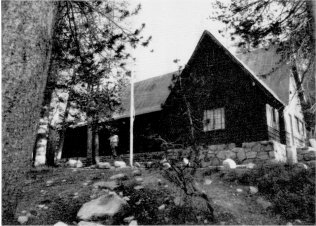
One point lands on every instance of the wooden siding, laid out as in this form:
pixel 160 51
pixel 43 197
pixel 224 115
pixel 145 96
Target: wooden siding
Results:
pixel 212 81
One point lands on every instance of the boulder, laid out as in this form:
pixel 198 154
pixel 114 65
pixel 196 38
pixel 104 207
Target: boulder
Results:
pixel 215 162
pixel 162 207
pixel 87 223
pixel 136 172
pixel 229 164
pixel 104 165
pixel 60 223
pixel 302 165
pixel 248 145
pixel 166 165
pixel 241 155
pixel 119 164
pixel 128 219
pixel 133 223
pixel 263 155
pixel 79 164
pixel 251 155
pixel 263 203
pixel 23 219
pixel 230 155
pixel 253 190
pixel 177 201
pixel 139 179
pixel 207 181
pixel 221 155
pixel 239 190
pixel 120 176
pixel 106 205
pixel 72 163
pixel 271 154
pixel 138 187
pixel 106 184
pixel 256 148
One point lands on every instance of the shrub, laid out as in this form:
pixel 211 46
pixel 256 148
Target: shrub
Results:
pixel 289 187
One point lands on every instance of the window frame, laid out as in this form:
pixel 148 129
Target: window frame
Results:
pixel 214 119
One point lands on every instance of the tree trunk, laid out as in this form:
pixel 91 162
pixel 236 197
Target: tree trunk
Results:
pixel 62 132
pixel 96 146
pixel 49 88
pixel 50 149
pixel 60 146
pixel 89 142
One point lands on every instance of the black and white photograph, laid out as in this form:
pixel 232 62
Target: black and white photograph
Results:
pixel 158 112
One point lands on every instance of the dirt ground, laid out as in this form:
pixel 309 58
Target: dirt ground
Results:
pixel 57 195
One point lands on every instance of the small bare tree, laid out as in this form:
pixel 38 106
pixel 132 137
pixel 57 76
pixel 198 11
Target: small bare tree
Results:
pixel 182 171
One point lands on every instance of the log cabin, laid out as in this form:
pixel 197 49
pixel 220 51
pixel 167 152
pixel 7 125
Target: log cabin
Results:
pixel 230 98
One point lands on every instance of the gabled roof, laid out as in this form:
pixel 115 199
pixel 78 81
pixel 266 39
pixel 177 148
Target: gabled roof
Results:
pixel 268 67
pixel 151 93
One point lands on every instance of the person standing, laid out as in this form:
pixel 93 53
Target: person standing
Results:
pixel 114 140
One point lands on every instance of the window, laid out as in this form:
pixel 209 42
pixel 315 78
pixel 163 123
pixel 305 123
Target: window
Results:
pixel 214 119
pixel 272 116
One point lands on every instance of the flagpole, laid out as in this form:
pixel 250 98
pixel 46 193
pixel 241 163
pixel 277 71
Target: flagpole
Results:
pixel 131 140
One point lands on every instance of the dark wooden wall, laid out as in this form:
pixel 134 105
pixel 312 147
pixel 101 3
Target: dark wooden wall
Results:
pixel 212 80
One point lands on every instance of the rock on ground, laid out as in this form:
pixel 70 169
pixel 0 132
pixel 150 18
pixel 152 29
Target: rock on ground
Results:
pixel 263 203
pixel 106 205
pixel 229 164
pixel 138 187
pixel 302 165
pixel 87 223
pixel 23 219
pixel 106 184
pixel 74 163
pixel 162 207
pixel 253 190
pixel 79 164
pixel 121 176
pixel 128 219
pixel 104 165
pixel 166 165
pixel 133 223
pixel 119 164
pixel 136 172
pixel 60 223
pixel 177 201
pixel 139 179
pixel 207 181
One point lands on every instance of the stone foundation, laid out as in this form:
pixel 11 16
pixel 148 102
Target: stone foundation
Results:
pixel 255 152
pixel 306 154
pixel 214 155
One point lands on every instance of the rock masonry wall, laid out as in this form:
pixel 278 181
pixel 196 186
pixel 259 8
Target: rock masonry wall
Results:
pixel 256 152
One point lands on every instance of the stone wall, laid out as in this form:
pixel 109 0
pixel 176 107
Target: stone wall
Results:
pixel 256 152
pixel 214 155
pixel 305 154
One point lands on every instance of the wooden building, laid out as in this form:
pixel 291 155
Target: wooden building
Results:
pixel 231 100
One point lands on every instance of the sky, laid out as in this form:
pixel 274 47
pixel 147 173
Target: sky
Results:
pixel 176 27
